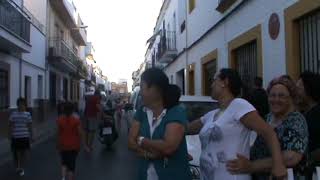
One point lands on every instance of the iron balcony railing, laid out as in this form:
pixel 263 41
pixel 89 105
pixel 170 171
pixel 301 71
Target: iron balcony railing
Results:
pixel 82 69
pixel 167 43
pixel 13 19
pixel 59 48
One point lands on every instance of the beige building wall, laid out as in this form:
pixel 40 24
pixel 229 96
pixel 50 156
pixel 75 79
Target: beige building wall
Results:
pixel 53 20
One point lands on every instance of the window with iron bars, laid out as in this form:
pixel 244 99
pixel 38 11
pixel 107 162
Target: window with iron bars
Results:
pixel 247 63
pixel 309 30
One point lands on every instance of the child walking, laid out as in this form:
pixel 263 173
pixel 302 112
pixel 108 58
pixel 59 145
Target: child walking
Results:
pixel 20 133
pixel 69 140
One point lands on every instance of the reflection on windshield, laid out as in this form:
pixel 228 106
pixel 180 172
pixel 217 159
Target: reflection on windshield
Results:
pixel 197 109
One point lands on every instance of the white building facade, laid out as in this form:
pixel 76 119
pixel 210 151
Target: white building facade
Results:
pixel 195 38
pixel 22 54
pixel 66 41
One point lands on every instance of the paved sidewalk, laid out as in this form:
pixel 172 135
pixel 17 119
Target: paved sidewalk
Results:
pixel 42 132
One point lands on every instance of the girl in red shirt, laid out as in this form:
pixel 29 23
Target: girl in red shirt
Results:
pixel 69 140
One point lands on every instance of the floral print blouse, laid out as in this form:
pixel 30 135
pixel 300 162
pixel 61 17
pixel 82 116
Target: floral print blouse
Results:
pixel 292 134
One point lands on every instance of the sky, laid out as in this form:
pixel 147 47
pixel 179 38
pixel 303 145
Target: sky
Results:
pixel 119 30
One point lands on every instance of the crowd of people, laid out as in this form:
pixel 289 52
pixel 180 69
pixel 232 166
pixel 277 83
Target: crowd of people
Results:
pixel 285 118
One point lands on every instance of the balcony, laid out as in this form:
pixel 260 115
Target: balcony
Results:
pixel 79 33
pixel 82 71
pixel 224 5
pixel 62 56
pixel 14 28
pixel 66 11
pixel 167 49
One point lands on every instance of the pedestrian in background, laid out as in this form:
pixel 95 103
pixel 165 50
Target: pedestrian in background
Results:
pixel 157 134
pixel 92 116
pixel 259 98
pixel 309 104
pixel 69 139
pixel 20 133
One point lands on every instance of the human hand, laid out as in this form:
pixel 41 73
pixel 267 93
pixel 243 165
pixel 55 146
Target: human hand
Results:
pixel 241 165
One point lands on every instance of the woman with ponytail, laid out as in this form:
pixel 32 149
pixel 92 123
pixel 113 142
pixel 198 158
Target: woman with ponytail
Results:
pixel 157 134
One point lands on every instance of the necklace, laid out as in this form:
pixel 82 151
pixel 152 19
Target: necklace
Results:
pixel 155 118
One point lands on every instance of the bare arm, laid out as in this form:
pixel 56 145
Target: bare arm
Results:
pixel 133 136
pixel 244 165
pixel 253 121
pixel 173 137
pixel 290 159
pixel 30 131
pixel 194 127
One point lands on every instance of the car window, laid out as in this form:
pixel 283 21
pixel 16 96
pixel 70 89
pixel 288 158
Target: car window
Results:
pixel 197 109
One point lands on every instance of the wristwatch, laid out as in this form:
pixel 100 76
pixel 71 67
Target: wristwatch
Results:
pixel 140 139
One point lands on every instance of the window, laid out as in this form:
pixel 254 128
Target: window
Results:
pixel 191 80
pixel 180 80
pixel 27 89
pixel 40 87
pixel 209 70
pixel 310 43
pixel 53 88
pixel 192 5
pixel 4 89
pixel 246 56
pixel 65 89
pixel 247 63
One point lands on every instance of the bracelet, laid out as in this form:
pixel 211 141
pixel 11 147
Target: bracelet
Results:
pixel 140 140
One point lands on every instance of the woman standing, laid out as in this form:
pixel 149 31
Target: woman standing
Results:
pixel 157 133
pixel 225 132
pixel 290 127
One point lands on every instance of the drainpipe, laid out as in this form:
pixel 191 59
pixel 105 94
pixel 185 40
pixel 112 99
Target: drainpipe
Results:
pixel 186 83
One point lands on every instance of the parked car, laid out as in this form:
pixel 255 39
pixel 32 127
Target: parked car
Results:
pixel 134 104
pixel 196 106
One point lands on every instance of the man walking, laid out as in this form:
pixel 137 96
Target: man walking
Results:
pixel 92 114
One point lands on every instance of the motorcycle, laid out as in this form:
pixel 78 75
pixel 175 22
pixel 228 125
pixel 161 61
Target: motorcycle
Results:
pixel 107 131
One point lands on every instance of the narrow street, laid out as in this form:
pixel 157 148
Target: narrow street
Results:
pixel 115 164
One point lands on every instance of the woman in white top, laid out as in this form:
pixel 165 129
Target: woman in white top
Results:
pixel 225 132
